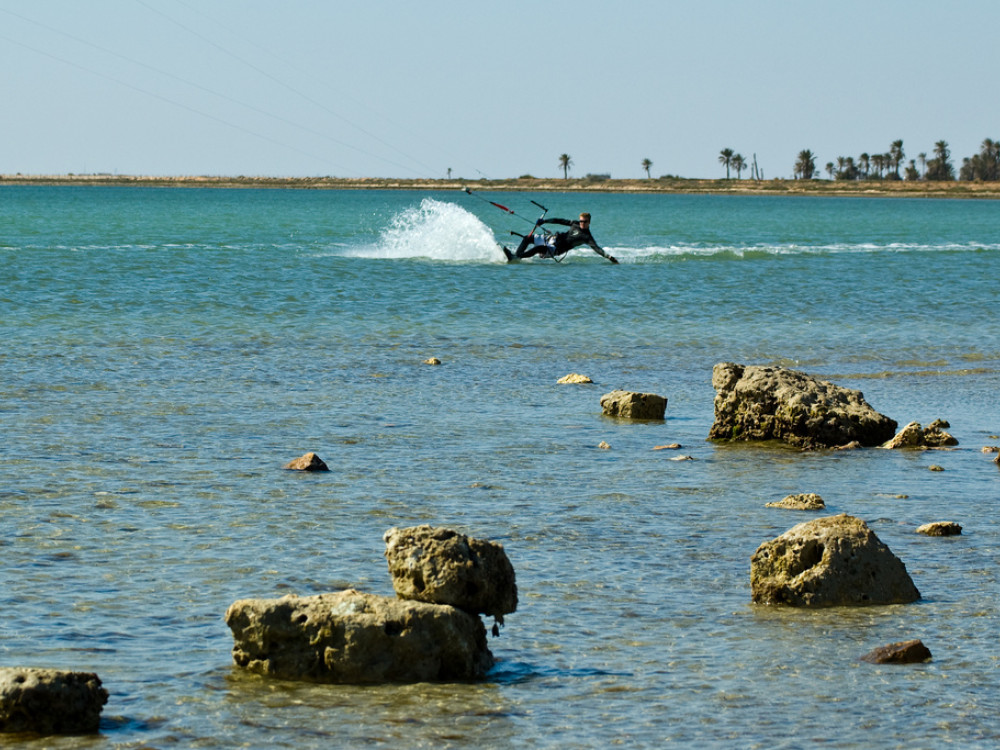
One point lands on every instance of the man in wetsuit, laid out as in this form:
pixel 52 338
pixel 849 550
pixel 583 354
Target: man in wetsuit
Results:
pixel 561 243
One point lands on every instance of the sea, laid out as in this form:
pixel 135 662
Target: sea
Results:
pixel 164 352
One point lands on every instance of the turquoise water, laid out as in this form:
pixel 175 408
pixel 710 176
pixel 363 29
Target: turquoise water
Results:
pixel 166 351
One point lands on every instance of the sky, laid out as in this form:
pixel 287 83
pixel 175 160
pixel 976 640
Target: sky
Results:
pixel 415 88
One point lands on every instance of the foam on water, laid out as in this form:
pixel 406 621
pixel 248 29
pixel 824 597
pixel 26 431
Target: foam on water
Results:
pixel 436 230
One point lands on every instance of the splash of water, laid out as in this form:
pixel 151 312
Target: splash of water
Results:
pixel 439 231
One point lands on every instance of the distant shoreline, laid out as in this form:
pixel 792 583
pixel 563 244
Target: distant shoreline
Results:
pixel 895 188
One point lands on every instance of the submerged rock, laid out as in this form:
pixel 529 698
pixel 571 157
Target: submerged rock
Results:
pixel 803 501
pixel 50 701
pixel 574 378
pixel 901 652
pixel 940 528
pixel 916 437
pixel 831 561
pixel 442 566
pixel 756 403
pixel 308 462
pixel 353 637
pixel 632 405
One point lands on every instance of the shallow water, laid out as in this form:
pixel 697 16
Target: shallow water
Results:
pixel 167 351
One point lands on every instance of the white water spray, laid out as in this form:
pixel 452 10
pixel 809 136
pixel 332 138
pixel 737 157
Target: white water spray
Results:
pixel 438 231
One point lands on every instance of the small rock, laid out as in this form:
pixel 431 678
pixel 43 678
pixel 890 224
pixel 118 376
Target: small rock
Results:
pixel 940 528
pixel 670 447
pixel 914 436
pixel 991 449
pixel 682 458
pixel 632 405
pixel 935 467
pixel 50 701
pixel 432 361
pixel 574 378
pixel 442 566
pixel 902 652
pixel 604 446
pixel 851 446
pixel 308 462
pixel 803 501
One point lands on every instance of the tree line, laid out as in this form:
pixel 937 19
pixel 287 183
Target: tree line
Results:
pixel 983 166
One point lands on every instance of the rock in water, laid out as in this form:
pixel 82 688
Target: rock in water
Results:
pixel 353 637
pixel 940 528
pixel 902 652
pixel 308 462
pixel 914 436
pixel 803 501
pixel 632 405
pixel 441 566
pixel 50 701
pixel 827 562
pixel 773 403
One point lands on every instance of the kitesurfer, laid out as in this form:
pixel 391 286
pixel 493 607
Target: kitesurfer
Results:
pixel 560 243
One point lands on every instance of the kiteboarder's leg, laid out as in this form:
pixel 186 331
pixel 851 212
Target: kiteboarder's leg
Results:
pixel 522 249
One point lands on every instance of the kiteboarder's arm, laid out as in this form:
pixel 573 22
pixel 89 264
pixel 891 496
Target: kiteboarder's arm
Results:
pixel 597 249
pixel 564 222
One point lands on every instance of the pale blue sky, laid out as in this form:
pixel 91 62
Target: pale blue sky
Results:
pixel 496 89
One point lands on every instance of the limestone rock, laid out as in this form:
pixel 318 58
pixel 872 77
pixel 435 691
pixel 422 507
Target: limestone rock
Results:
pixel 914 436
pixel 441 566
pixel 901 652
pixel 432 361
pixel 353 637
pixel 308 462
pixel 604 445
pixel 50 701
pixel 803 501
pixel 831 561
pixel 574 378
pixel 668 447
pixel 756 403
pixel 940 528
pixel 632 405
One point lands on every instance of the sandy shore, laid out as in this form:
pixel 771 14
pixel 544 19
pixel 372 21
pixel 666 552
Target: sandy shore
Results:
pixel 663 185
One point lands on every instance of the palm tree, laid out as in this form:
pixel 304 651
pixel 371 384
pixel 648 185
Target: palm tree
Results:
pixel 923 163
pixel 940 167
pixel 726 157
pixel 646 164
pixel 805 165
pixel 565 163
pixel 739 164
pixel 865 165
pixel 896 156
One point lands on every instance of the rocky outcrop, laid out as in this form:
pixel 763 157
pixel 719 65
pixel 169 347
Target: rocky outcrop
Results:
pixel 756 403
pixel 308 462
pixel 632 405
pixel 574 379
pixel 831 561
pixel 901 652
pixel 916 437
pixel 803 501
pixel 940 528
pixel 441 566
pixel 352 637
pixel 50 701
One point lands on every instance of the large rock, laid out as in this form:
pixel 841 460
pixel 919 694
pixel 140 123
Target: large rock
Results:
pixel 353 637
pixel 773 403
pixel 442 566
pixel 831 561
pixel 914 436
pixel 632 405
pixel 50 701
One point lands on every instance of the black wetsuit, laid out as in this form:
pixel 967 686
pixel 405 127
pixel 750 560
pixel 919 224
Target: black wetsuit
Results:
pixel 564 241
